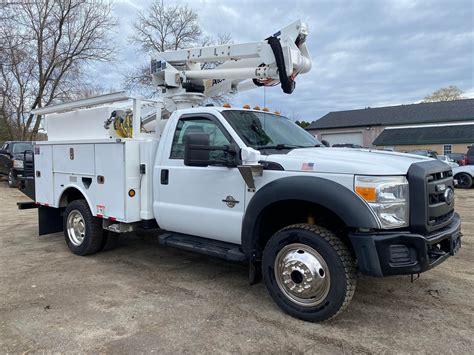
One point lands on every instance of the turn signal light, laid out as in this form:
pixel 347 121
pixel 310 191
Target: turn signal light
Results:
pixel 131 192
pixel 367 193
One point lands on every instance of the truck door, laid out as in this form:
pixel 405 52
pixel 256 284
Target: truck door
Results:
pixel 202 201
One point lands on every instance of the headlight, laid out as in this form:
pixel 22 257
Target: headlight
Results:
pixel 18 164
pixel 388 198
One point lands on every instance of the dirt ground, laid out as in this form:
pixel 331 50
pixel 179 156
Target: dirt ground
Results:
pixel 140 297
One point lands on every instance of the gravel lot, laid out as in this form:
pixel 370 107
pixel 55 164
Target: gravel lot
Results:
pixel 142 297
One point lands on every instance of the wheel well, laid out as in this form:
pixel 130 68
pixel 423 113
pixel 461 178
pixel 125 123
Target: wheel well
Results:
pixel 284 213
pixel 69 195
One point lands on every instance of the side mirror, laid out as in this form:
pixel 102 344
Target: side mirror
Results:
pixel 4 152
pixel 325 143
pixel 197 152
pixel 196 149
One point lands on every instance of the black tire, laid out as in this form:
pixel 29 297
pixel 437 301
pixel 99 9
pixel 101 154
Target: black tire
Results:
pixel 338 262
pixel 464 180
pixel 12 180
pixel 93 234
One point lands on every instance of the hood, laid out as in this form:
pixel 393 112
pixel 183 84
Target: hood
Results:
pixel 346 161
pixel 17 156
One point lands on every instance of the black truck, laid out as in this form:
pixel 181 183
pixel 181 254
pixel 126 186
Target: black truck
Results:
pixel 13 156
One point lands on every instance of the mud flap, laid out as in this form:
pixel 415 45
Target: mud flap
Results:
pixel 50 220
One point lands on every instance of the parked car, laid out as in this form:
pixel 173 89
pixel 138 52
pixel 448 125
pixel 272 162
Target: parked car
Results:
pixel 447 160
pixel 424 152
pixel 470 154
pixel 464 175
pixel 347 145
pixel 11 160
pixel 459 158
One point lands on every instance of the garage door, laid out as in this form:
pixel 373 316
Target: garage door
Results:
pixel 339 138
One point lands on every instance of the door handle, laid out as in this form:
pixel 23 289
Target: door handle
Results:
pixel 164 176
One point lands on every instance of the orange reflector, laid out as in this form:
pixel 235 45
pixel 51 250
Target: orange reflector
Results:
pixel 131 192
pixel 257 108
pixel 226 105
pixel 265 109
pixel 367 193
pixel 246 106
pixel 277 113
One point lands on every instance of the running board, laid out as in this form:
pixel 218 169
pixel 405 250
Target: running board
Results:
pixel 224 250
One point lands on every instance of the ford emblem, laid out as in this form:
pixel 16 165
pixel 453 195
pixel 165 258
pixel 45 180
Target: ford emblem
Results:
pixel 449 195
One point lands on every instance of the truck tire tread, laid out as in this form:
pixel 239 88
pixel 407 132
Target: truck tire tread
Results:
pixel 94 233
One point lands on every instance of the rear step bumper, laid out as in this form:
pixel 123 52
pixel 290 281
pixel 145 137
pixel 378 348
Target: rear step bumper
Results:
pixel 216 248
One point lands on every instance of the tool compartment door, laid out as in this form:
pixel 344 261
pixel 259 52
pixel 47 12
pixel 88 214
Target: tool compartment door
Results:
pixel 110 164
pixel 74 159
pixel 44 174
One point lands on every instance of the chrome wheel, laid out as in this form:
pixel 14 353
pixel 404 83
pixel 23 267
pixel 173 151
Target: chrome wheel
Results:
pixel 76 228
pixel 11 179
pixel 302 274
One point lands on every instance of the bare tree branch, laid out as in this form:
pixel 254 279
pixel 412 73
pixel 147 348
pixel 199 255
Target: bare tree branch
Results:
pixel 445 94
pixel 45 46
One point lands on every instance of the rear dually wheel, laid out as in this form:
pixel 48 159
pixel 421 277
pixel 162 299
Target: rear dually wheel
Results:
pixel 82 231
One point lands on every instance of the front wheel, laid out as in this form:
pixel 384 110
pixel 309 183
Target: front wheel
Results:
pixel 464 180
pixel 12 180
pixel 309 272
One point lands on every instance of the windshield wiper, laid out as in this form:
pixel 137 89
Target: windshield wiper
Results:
pixel 282 146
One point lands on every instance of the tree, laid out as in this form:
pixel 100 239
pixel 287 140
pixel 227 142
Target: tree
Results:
pixel 161 27
pixel 165 27
pixel 302 124
pixel 445 94
pixel 44 47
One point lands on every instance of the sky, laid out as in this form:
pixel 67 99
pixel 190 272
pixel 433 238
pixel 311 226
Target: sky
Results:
pixel 366 53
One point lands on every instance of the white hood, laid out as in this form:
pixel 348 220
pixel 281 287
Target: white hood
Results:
pixel 346 161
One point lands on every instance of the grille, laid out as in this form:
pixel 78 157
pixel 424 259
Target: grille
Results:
pixel 428 181
pixel 439 211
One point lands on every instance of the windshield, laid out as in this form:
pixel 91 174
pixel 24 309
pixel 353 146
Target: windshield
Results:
pixel 261 130
pixel 21 147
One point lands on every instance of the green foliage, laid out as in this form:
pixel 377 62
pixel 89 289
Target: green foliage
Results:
pixel 302 124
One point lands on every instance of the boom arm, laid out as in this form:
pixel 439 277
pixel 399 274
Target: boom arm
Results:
pixel 275 60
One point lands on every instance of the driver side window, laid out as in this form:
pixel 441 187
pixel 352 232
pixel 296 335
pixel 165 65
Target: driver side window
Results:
pixel 197 125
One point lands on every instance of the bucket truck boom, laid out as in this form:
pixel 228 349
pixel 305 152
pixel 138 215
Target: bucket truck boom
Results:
pixel 276 60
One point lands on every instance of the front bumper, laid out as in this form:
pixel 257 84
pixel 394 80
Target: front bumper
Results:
pixel 404 253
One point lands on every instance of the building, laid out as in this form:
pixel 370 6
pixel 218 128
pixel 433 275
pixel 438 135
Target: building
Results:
pixel 444 127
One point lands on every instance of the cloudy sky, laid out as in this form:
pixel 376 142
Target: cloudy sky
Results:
pixel 365 53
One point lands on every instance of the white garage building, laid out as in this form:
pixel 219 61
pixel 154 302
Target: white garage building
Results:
pixel 363 126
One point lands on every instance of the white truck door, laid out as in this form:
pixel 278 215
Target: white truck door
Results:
pixel 202 201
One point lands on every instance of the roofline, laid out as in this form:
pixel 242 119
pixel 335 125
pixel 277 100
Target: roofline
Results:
pixel 418 104
pixel 427 123
pixel 461 123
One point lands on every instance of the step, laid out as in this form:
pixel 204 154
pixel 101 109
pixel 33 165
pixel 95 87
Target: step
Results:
pixel 217 248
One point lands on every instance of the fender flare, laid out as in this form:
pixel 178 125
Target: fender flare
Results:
pixel 72 186
pixel 343 202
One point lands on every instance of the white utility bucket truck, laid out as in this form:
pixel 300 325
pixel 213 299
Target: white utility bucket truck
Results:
pixel 242 184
